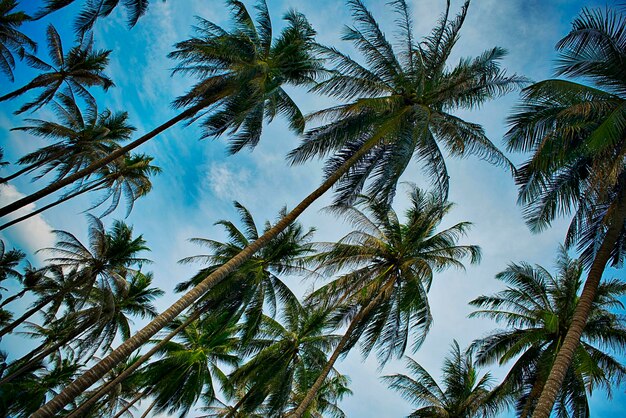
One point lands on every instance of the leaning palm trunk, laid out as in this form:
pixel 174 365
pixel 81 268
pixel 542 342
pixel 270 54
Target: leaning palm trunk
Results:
pixel 535 392
pixel 23 170
pixel 123 351
pixel 310 395
pixel 91 168
pixel 581 314
pixel 150 408
pixel 53 204
pixel 26 315
pixel 119 378
pixel 131 403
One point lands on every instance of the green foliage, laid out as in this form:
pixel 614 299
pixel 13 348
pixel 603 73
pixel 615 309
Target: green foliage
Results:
pixel 536 309
pixel 392 264
pixel 464 395
pixel 402 104
pixel 11 39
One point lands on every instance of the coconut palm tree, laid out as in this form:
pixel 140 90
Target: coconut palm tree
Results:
pixel 29 280
pixel 465 394
pixel 80 68
pixel 576 134
pixel 242 73
pixel 9 261
pixel 483 80
pixel 189 364
pixel 23 397
pixel 279 353
pixel 333 390
pixel 400 105
pixel 82 137
pixel 56 289
pixel 127 177
pixel 110 256
pixel 12 41
pixel 93 10
pixel 256 286
pixel 537 309
pixel 391 266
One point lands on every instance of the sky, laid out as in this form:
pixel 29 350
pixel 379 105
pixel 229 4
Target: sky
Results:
pixel 200 181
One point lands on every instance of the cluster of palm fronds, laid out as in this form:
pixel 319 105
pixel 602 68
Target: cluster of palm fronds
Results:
pixel 400 102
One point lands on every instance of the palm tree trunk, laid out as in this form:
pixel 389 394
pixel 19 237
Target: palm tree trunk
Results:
pixel 131 403
pixel 26 315
pixel 123 351
pixel 100 163
pixel 53 204
pixel 152 405
pixel 109 385
pixel 31 362
pixel 310 395
pixel 233 411
pixel 581 313
pixel 12 298
pixel 535 392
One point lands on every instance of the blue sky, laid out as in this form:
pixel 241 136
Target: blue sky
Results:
pixel 199 181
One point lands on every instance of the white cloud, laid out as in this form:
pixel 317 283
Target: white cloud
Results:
pixel 33 233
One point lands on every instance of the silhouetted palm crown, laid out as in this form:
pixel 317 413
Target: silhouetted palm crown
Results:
pixel 576 133
pixel 401 104
pixel 83 137
pixel 11 39
pixel 243 71
pixel 394 262
pixel 464 393
pixel 537 309
pixel 79 68
pixel 256 285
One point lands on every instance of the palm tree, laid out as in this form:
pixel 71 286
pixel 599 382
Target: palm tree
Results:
pixel 333 390
pixel 538 309
pixel 94 9
pixel 29 280
pixel 11 39
pixel 480 84
pixel 110 256
pixel 82 137
pixel 464 394
pixel 400 105
pixel 128 177
pixel 280 353
pixel 256 285
pixel 391 265
pixel 81 67
pixel 9 260
pixel 188 366
pixel 56 287
pixel 242 73
pixel 576 135
pixel 26 395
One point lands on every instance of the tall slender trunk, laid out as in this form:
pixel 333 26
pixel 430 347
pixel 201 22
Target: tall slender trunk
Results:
pixel 310 395
pixel 131 403
pixel 100 163
pixel 15 296
pixel 581 313
pixel 150 408
pixel 53 204
pixel 535 392
pixel 104 389
pixel 233 411
pixel 123 351
pixel 26 315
